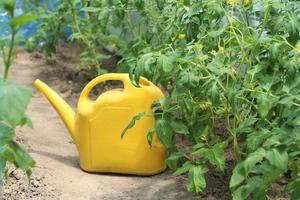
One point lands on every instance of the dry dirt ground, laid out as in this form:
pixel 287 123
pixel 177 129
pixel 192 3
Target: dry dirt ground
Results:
pixel 57 174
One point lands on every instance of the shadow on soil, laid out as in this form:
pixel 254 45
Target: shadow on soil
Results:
pixel 153 189
pixel 71 161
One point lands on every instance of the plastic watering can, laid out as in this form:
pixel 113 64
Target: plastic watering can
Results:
pixel 97 126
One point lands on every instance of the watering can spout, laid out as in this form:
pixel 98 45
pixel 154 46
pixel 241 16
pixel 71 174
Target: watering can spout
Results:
pixel 65 111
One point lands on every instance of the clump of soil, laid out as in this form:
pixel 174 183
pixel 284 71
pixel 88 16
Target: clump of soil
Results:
pixel 18 187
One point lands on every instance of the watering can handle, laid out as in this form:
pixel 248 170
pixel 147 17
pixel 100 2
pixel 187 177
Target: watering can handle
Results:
pixel 106 77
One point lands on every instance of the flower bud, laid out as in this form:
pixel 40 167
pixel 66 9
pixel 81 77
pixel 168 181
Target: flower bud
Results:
pixel 9 6
pixel 181 36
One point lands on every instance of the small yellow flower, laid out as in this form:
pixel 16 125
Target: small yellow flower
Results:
pixel 181 36
pixel 298 47
pixel 113 46
pixel 233 70
pixel 233 2
pixel 221 49
pixel 246 2
pixel 199 46
pixel 204 105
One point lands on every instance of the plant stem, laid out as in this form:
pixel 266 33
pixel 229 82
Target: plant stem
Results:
pixel 266 15
pixel 9 58
pixel 1 186
pixel 236 148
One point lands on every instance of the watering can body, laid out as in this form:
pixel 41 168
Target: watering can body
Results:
pixel 97 126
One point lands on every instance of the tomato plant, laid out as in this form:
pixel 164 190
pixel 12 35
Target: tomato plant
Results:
pixel 230 64
pixel 14 99
pixel 87 20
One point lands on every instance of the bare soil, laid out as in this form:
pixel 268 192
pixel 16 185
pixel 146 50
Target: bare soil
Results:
pixel 57 174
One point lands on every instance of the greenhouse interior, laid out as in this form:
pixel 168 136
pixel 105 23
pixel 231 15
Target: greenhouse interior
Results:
pixel 150 99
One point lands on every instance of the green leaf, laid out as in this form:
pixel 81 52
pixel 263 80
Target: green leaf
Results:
pixel 14 99
pixel 164 132
pixel 238 175
pixel 165 63
pixel 287 101
pixel 216 33
pixel 184 168
pixel 179 127
pixel 150 136
pixel 16 155
pixel 6 133
pixel 246 125
pixel 22 20
pixel 256 139
pixel 2 45
pixel 189 79
pixel 278 158
pixel 187 2
pixel 173 159
pixel 196 178
pixel 294 188
pixel 3 168
pixel 215 155
pixel 91 9
pixel 26 121
pixel 134 78
pixel 294 117
pixel 200 151
pixel 165 103
pixel 241 170
pixel 244 191
pixel 132 123
pixel 199 145
pixel 214 94
pixel 265 103
pixel 205 132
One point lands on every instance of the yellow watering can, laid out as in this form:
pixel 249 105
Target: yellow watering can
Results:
pixel 97 126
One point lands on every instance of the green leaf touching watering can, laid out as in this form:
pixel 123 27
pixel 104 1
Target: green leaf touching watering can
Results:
pixel 164 132
pixel 150 136
pixel 132 123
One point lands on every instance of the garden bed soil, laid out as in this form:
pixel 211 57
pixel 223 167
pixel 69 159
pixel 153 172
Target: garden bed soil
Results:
pixel 57 174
